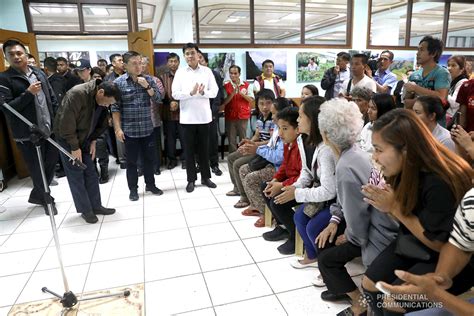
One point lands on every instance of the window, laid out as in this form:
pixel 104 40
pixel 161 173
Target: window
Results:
pixel 461 26
pixel 105 18
pixel 277 22
pixel 388 13
pixel 427 19
pixel 54 16
pixel 326 22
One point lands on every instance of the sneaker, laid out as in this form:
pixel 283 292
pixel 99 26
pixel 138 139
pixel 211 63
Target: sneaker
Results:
pixel 276 234
pixel 133 195
pixel 298 265
pixel 318 281
pixel 288 248
pixel 154 190
pixel 89 217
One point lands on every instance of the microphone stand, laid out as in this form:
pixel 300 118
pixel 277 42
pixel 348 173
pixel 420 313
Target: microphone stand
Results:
pixel 68 299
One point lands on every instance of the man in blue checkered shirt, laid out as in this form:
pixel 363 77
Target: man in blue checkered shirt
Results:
pixel 132 122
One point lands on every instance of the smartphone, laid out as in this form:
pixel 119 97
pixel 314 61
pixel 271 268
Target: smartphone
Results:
pixel 456 118
pixel 380 287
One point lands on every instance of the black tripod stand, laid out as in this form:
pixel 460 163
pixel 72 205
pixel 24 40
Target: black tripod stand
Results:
pixel 68 299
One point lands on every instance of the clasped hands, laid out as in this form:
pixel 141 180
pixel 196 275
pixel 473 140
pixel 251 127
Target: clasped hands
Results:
pixel 198 88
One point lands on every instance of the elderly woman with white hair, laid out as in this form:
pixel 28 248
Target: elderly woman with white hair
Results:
pixel 359 229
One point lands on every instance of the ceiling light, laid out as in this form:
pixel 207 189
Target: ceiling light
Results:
pixel 292 16
pixel 216 32
pixel 33 11
pixel 118 21
pixel 273 21
pixel 435 23
pixel 99 11
pixel 231 20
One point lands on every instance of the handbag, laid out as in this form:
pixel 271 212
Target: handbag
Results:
pixel 258 163
pixel 312 208
pixel 410 247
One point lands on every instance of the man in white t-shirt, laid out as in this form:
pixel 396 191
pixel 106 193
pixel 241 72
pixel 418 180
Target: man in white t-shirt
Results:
pixel 193 86
pixel 358 78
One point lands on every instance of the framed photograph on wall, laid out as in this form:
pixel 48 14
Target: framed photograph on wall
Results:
pixel 253 61
pixel 402 61
pixel 221 62
pixel 160 62
pixel 310 66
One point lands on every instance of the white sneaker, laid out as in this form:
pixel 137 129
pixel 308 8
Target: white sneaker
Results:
pixel 318 281
pixel 298 265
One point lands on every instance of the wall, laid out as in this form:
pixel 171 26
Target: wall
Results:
pixel 12 16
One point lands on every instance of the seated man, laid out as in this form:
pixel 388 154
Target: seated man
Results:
pixel 82 118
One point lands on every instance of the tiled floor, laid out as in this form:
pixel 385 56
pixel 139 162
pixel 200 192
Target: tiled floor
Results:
pixel 196 254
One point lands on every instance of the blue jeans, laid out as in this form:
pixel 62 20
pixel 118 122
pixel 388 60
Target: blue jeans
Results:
pixel 146 147
pixel 309 228
pixel 84 184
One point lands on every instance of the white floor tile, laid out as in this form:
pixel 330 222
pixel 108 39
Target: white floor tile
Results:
pixel 169 205
pixel 262 250
pixel 170 264
pixel 224 255
pixel 125 212
pixel 11 288
pixel 164 222
pixel 32 224
pixel 234 214
pixel 8 227
pixel 225 200
pixel 4 310
pixel 246 228
pixel 62 207
pixel 200 312
pixel 306 301
pixel 19 261
pixel 52 279
pixel 283 277
pixel 71 254
pixel 73 219
pixel 213 234
pixel 121 228
pixel 200 203
pixel 3 238
pixel 25 241
pixel 115 273
pixel 176 295
pixel 205 217
pixel 241 283
pixel 16 212
pixel 167 240
pixel 114 248
pixel 268 305
pixel 75 234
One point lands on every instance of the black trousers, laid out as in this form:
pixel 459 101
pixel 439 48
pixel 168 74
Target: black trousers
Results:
pixel 283 213
pixel 196 134
pixel 331 262
pixel 146 147
pixel 172 131
pixel 50 157
pixel 213 143
pixel 102 153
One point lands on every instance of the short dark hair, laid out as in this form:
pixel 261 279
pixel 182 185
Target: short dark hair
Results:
pixel 129 54
pixel 266 61
pixel 280 103
pixel 110 90
pixel 12 42
pixel 51 63
pixel 190 46
pixel 344 55
pixel 290 115
pixel 390 54
pixel 97 70
pixel 265 94
pixel 432 104
pixel 107 68
pixel 384 103
pixel 236 67
pixel 31 56
pixel 206 58
pixel 64 60
pixel 311 107
pixel 71 65
pixel 112 57
pixel 311 87
pixel 364 57
pixel 172 55
pixel 435 46
pixel 102 61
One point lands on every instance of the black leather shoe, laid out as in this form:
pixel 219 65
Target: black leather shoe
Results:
pixel 123 165
pixel 140 172
pixel 90 217
pixel 278 233
pixel 133 195
pixel 198 168
pixel 208 183
pixel 104 211
pixel 172 164
pixel 190 187
pixel 183 164
pixel 46 211
pixel 216 171
pixel 154 190
pixel 331 297
pixel 288 248
pixel 157 172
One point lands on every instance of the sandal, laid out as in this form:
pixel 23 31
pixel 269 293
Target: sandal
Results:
pixel 232 193
pixel 260 222
pixel 251 212
pixel 241 204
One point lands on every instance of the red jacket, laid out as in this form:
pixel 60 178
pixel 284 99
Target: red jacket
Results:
pixel 238 108
pixel 290 169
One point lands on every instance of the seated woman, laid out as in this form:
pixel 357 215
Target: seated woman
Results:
pixel 252 175
pixel 361 96
pixel 309 90
pixel 263 130
pixel 286 175
pixel 367 231
pixel 430 110
pixel 425 183
pixel 379 104
pixel 316 185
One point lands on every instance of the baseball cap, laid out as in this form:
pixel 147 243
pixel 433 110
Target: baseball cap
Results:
pixel 82 64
